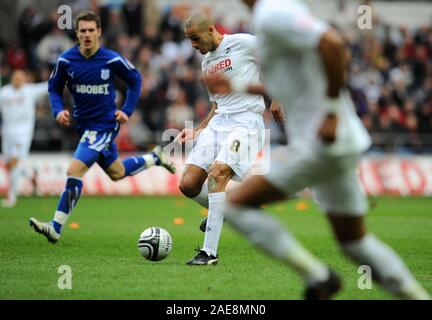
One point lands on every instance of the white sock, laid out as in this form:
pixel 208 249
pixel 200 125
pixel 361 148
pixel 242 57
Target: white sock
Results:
pixel 15 176
pixel 214 222
pixel 266 233
pixel 387 267
pixel 203 197
pixel 149 160
pixel 61 217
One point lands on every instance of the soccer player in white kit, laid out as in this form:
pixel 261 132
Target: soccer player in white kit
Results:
pixel 230 138
pixel 17 106
pixel 302 63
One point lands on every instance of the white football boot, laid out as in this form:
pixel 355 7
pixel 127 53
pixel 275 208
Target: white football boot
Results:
pixel 158 151
pixel 46 229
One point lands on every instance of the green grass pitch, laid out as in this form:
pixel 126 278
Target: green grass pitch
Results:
pixel 106 263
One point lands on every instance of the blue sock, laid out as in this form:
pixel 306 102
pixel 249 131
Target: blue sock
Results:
pixel 134 165
pixel 68 201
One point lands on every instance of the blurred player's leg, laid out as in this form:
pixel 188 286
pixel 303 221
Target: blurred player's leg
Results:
pixel 292 169
pixel 16 148
pixel 343 198
pixel 265 232
pixel 387 267
pixel 14 177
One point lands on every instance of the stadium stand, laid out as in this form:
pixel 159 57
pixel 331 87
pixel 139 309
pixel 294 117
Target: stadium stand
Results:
pixel 390 76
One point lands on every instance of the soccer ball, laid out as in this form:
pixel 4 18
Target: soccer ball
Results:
pixel 155 243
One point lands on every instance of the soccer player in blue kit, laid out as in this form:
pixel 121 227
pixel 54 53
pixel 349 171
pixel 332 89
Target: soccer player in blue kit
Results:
pixel 88 71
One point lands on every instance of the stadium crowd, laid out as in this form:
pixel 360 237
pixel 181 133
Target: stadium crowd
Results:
pixel 390 76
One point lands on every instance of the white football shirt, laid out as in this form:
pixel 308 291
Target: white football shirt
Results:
pixel 17 107
pixel 293 74
pixel 234 58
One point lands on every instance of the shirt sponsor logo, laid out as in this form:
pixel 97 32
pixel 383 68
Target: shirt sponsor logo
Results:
pixel 222 66
pixel 92 89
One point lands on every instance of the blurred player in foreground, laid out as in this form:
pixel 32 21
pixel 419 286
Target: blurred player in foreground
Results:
pixel 17 106
pixel 326 143
pixel 89 71
pixel 231 136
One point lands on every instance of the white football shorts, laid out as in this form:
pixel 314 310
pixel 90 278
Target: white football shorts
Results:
pixel 234 139
pixel 333 180
pixel 16 145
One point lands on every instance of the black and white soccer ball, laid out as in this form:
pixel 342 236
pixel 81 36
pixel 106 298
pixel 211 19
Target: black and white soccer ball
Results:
pixel 155 243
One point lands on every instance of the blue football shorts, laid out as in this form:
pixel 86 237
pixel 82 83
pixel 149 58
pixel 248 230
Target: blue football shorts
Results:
pixel 98 146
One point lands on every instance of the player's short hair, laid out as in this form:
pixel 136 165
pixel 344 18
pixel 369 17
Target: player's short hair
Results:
pixel 87 15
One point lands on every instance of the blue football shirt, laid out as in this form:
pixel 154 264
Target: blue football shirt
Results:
pixel 91 83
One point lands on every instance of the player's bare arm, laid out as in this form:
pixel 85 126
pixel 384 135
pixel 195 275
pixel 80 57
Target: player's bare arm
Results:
pixel 188 134
pixel 63 118
pixel 332 51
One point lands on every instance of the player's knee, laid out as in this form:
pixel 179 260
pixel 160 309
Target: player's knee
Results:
pixel 116 176
pixel 218 177
pixel 76 169
pixel 189 188
pixel 73 172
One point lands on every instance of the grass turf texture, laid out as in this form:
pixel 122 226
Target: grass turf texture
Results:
pixel 106 263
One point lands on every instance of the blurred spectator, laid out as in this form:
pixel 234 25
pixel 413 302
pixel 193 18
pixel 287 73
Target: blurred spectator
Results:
pixel 31 28
pixel 47 135
pixel 139 134
pixel 133 15
pixel 16 57
pixel 124 141
pixel 113 29
pixel 179 112
pixel 172 21
pixel 52 45
pixel 201 109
